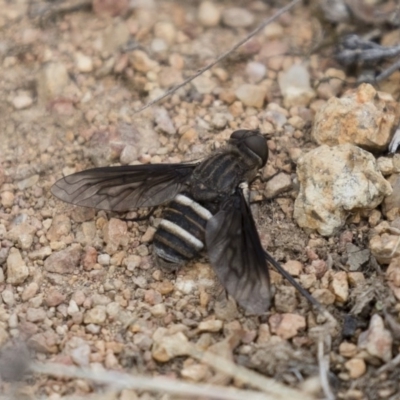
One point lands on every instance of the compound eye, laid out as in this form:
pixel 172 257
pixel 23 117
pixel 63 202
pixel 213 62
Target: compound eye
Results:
pixel 258 145
pixel 240 134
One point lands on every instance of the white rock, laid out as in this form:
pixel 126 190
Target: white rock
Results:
pixel 103 259
pixel 236 17
pixel 96 315
pixel 277 185
pixel 52 80
pixel 23 100
pixel 17 271
pixel 204 84
pixel 377 340
pixel 295 86
pixel 255 71
pixel 168 347
pixel 83 62
pixel 209 14
pixel 251 95
pixel 80 355
pixel 333 182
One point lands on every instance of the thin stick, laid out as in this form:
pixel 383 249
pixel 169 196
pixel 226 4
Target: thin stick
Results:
pixel 252 378
pixel 222 56
pixel 121 380
pixel 390 366
pixel 323 362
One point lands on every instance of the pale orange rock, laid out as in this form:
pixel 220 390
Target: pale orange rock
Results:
pixel 286 325
pixel 364 117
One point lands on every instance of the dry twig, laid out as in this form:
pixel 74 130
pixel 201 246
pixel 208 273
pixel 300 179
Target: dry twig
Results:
pixel 119 380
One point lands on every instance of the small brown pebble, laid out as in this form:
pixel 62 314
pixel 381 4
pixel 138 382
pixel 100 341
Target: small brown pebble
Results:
pixel 30 291
pixel 356 367
pixel 376 339
pixel 97 315
pixel 294 267
pixel 286 326
pixel 340 286
pixel 54 297
pixel 212 325
pixel 209 14
pixel 347 349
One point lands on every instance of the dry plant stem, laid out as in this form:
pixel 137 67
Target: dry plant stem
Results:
pixel 323 362
pixel 390 366
pixel 389 71
pixel 222 56
pixel 251 378
pixel 119 380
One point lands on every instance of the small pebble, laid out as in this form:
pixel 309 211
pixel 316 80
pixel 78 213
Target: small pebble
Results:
pixel 97 315
pixel 255 71
pixel 376 339
pixel 280 183
pixel 347 349
pixel 236 17
pixel 208 14
pixel 356 367
pixel 83 62
pixel 251 95
pixel 22 101
pixel 294 267
pixel 17 271
pixel 286 325
pixel 212 325
pixel 340 286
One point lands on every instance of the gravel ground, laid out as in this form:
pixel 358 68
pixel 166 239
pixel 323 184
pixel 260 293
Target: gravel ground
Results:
pixel 79 286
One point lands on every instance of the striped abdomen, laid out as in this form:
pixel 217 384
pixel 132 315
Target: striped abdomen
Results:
pixel 180 235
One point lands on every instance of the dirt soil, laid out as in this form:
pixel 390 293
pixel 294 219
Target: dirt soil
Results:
pixel 80 286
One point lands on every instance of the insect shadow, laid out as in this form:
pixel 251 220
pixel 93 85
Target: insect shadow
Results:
pixel 206 206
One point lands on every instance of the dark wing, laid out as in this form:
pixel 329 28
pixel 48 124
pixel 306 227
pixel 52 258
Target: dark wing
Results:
pixel 124 188
pixel 235 252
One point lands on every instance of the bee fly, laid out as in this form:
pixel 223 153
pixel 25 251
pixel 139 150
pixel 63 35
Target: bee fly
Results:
pixel 207 205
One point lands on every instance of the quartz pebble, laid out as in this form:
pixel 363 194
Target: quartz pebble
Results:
pixel 97 315
pixel 83 62
pixel 21 101
pixel 255 71
pixel 17 271
pixel 52 81
pixel 376 339
pixel 212 325
pixel 195 372
pixel 385 247
pixel 295 86
pixel 251 95
pixel 169 346
pixel 237 17
pixel 327 186
pixel 209 14
pixel 280 183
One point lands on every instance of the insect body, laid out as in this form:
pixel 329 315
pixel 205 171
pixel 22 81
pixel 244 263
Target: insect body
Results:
pixel 206 207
